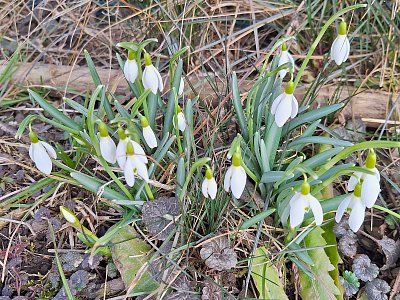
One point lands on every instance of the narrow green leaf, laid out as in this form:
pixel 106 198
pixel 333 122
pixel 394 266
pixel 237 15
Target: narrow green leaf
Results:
pixel 257 218
pixel 170 111
pixel 95 186
pixel 312 116
pixel 180 176
pixel 319 140
pixel 55 113
pixel 238 108
pixel 25 123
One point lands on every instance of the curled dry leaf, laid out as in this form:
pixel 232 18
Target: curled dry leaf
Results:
pixel 211 291
pixel 347 244
pixel 391 249
pixel 342 228
pixel 159 216
pixel 218 255
pixel 185 290
pixel 377 289
pixel 364 269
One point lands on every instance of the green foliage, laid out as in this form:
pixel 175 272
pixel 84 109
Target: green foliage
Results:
pixel 130 255
pixel 266 277
pixel 322 286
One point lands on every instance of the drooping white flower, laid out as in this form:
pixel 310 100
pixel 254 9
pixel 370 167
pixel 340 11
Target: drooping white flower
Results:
pixel 209 185
pixel 148 133
pixel 355 206
pixel 370 187
pixel 181 120
pixel 300 203
pixel 135 163
pixel 235 177
pixel 121 148
pixel 151 78
pixel 107 145
pixel 285 57
pixel 41 154
pixel 285 106
pixel 341 46
pixel 131 69
pixel 181 87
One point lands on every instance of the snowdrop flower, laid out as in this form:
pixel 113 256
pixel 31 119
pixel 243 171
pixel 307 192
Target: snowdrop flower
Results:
pixel 69 216
pixel 209 186
pixel 135 163
pixel 181 87
pixel 285 57
pixel 285 106
pixel 341 46
pixel 107 145
pixel 121 148
pixel 131 69
pixel 235 177
pixel 151 78
pixel 181 120
pixel 41 154
pixel 300 203
pixel 370 183
pixel 148 133
pixel 355 206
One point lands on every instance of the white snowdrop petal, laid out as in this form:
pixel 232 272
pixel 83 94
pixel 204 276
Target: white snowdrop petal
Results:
pixel 140 168
pixel 149 137
pixel 181 87
pixel 294 198
pixel 276 103
pixel 347 50
pixel 108 149
pixel 238 181
pixel 181 121
pixel 159 79
pixel 31 152
pixel 50 150
pixel 283 59
pixel 212 188
pixel 295 107
pixel 353 181
pixel 370 190
pixel 128 172
pixel 131 70
pixel 227 179
pixel 339 49
pixel 297 210
pixel 342 208
pixel 121 152
pixel 316 209
pixel 150 79
pixel 283 111
pixel 357 215
pixel 139 152
pixel 204 188
pixel 377 174
pixel 41 158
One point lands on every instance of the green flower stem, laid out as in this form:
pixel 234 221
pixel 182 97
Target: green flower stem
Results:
pixel 361 146
pixel 148 191
pixel 319 37
pixel 250 173
pixel 381 208
pixel 197 164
